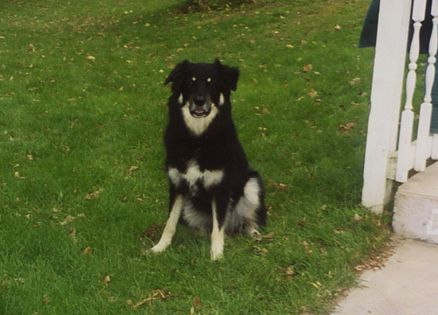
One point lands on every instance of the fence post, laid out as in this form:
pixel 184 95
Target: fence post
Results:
pixel 386 92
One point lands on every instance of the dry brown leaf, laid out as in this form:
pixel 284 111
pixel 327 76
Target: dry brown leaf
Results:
pixel 288 272
pixel 196 303
pixel 17 175
pixel 307 68
pixel 106 279
pixel 261 250
pixel 91 58
pixel 153 231
pixel 261 110
pixel 157 294
pixel 347 126
pixel 269 236
pixel 132 169
pixel 45 300
pixel 93 194
pixel 307 248
pixel 279 186
pixel 357 217
pixel 312 93
pixel 316 284
pixel 354 81
pixel 87 251
pixel 68 219
pixel 31 47
pixel 72 234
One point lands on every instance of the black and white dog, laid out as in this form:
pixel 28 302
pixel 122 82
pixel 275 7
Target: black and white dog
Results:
pixel 211 187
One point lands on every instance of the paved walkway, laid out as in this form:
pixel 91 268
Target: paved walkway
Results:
pixel 408 284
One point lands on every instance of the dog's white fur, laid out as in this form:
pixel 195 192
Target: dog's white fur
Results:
pixel 217 237
pixel 170 228
pixel 192 174
pixel 198 125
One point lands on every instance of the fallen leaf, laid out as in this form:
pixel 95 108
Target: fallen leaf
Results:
pixel 338 27
pixel 17 175
pixel 106 279
pixel 279 186
pixel 307 248
pixel 261 250
pixel 31 48
pixel 157 294
pixel 152 231
pixel 307 68
pixel 268 237
pixel 91 58
pixel 72 234
pixel 312 93
pixel 87 251
pixel 316 284
pixel 346 127
pixel 132 169
pixel 354 81
pixel 262 110
pixel 45 300
pixel 288 272
pixel 67 220
pixel 196 303
pixel 357 217
pixel 93 194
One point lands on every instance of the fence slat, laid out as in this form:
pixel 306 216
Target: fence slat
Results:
pixel 424 139
pixel 387 84
pixel 404 159
pixel 435 147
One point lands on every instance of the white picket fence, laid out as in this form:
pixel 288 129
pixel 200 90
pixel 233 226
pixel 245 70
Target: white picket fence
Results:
pixel 391 150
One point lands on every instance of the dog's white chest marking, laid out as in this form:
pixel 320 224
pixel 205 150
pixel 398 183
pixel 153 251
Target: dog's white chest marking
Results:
pixel 198 125
pixel 193 175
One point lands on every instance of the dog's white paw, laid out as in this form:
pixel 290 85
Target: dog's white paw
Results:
pixel 254 234
pixel 217 251
pixel 156 249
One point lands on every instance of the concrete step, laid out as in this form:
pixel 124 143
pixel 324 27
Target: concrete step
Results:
pixel 416 206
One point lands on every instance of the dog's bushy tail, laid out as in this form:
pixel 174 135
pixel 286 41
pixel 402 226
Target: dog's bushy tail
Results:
pixel 261 210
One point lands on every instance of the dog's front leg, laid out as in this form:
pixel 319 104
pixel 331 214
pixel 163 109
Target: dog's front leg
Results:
pixel 170 228
pixel 218 231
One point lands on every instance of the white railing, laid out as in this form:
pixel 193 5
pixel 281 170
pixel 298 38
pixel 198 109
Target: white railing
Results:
pixel 391 151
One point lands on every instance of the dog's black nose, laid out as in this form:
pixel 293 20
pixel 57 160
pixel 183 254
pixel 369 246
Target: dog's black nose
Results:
pixel 199 100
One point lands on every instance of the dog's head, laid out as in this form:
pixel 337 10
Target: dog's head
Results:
pixel 202 90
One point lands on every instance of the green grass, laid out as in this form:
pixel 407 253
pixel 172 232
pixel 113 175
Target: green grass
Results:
pixel 82 187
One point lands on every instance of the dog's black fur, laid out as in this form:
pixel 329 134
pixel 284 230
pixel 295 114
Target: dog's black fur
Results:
pixel 209 177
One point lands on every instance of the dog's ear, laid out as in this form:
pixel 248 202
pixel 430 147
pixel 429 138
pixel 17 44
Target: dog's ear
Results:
pixel 177 74
pixel 229 75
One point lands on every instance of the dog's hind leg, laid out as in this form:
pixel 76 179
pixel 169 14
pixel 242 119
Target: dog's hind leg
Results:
pixel 170 228
pixel 218 233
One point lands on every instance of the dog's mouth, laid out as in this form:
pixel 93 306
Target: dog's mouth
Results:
pixel 199 112
pixel 200 108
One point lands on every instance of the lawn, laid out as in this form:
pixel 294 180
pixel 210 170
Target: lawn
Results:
pixel 83 192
